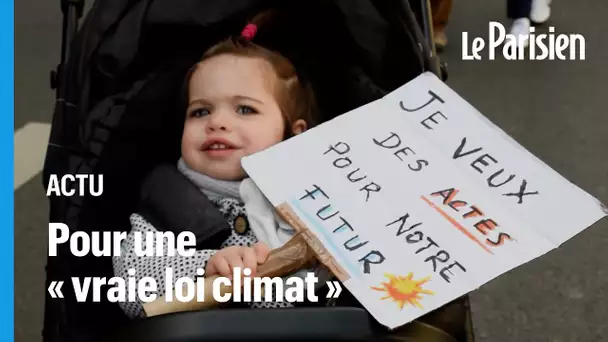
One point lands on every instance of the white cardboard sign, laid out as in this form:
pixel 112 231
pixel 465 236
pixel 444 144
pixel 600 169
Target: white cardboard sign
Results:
pixel 418 199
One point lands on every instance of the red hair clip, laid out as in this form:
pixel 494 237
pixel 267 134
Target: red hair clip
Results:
pixel 249 31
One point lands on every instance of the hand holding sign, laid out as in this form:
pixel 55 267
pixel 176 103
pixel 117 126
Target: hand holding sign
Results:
pixel 418 199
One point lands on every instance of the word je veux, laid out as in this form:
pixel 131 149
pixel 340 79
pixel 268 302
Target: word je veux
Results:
pixel 482 161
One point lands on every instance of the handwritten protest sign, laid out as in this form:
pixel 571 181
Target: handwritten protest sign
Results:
pixel 418 199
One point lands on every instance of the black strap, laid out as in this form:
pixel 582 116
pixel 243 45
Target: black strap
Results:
pixel 170 202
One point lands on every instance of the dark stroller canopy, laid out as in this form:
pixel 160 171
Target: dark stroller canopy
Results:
pixel 118 112
pixel 122 40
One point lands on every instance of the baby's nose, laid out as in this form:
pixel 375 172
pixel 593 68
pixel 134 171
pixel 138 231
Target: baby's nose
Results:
pixel 217 128
pixel 218 122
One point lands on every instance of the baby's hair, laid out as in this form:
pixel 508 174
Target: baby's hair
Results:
pixel 294 95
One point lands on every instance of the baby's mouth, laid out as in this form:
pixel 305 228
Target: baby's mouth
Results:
pixel 218 146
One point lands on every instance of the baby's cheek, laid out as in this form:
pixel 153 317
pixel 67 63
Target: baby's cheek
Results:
pixel 265 144
pixel 193 135
pixel 187 145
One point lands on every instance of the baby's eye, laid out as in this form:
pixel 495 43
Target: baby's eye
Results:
pixel 200 112
pixel 245 110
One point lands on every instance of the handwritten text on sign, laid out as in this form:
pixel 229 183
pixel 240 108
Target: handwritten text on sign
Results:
pixel 419 199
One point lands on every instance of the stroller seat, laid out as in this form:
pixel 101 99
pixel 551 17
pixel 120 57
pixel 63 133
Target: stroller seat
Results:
pixel 301 324
pixel 351 324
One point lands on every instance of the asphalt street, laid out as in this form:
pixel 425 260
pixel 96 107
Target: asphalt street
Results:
pixel 556 109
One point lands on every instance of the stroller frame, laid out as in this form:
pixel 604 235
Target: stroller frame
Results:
pixel 420 25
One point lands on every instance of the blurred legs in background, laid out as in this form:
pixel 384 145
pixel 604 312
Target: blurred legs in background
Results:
pixel 540 11
pixel 519 11
pixel 524 13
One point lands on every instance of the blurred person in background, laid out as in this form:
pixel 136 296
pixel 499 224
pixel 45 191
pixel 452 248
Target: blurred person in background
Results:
pixel 524 13
pixel 440 10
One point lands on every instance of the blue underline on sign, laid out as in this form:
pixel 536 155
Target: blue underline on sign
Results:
pixel 321 230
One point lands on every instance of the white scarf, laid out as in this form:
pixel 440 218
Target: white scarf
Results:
pixel 264 221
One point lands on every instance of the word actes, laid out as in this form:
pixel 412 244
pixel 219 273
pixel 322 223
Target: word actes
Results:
pixel 471 212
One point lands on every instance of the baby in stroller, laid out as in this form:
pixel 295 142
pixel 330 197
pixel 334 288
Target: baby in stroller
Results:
pixel 117 90
pixel 241 99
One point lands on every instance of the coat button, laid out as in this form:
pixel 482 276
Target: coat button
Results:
pixel 241 224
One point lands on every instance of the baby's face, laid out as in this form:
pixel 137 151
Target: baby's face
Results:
pixel 232 113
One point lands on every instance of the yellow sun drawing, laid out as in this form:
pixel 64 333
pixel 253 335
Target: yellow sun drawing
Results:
pixel 404 290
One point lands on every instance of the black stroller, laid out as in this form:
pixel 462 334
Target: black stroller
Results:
pixel 120 75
